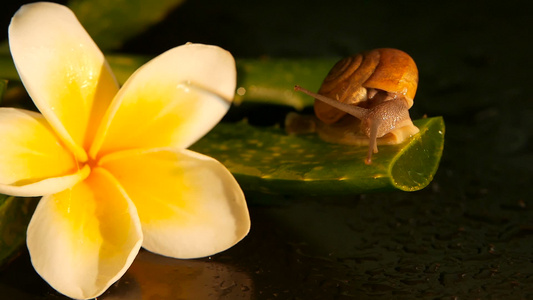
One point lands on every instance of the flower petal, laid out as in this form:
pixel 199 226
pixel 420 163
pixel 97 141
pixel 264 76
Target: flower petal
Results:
pixel 173 100
pixel 83 239
pixel 63 71
pixel 33 162
pixel 189 204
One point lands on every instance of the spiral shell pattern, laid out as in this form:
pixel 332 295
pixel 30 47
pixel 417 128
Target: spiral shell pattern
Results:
pixel 385 69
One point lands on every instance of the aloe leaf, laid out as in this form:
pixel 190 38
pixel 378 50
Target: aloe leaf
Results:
pixel 111 23
pixel 15 214
pixel 272 80
pixel 268 160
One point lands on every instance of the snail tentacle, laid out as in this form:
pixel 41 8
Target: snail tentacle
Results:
pixel 353 110
pixel 373 144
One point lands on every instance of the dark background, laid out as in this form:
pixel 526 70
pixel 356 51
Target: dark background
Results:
pixel 468 235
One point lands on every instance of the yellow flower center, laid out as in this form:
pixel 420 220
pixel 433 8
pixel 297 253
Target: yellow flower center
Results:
pixel 91 162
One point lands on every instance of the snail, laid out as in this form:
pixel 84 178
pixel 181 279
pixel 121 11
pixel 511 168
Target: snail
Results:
pixel 376 87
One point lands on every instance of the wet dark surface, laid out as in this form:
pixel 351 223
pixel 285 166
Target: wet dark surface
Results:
pixel 468 235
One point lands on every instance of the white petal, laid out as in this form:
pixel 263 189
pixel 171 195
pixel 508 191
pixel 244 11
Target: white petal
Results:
pixel 63 71
pixel 84 239
pixel 171 101
pixel 33 160
pixel 45 186
pixel 189 204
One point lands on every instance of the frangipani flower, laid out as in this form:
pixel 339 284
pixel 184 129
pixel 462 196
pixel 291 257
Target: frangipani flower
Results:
pixel 111 164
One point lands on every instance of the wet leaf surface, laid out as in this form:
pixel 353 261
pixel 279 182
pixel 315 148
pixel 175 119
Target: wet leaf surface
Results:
pixel 271 161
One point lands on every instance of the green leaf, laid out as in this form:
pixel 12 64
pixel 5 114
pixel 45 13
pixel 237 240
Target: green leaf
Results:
pixel 7 67
pixel 15 214
pixel 111 23
pixel 268 160
pixel 124 65
pixel 272 80
pixel 3 87
pixel 260 81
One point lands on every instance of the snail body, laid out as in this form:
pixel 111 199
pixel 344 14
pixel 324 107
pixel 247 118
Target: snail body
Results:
pixel 376 87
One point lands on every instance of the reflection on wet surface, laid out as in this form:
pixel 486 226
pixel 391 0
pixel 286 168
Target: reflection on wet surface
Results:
pixel 156 277
pixel 151 276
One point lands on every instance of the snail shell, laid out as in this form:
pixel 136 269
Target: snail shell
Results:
pixel 357 78
pixel 377 87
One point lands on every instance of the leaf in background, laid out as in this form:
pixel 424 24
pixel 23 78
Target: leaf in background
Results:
pixel 111 23
pixel 7 67
pixel 15 214
pixel 3 87
pixel 124 65
pixel 268 160
pixel 260 81
pixel 272 80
